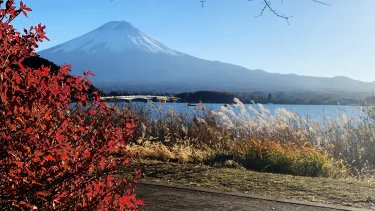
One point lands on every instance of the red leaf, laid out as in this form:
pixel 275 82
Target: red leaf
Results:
pixel 63 157
pixel 35 160
pixel 88 81
pixel 125 200
pixel 102 163
pixel 140 202
pixel 42 193
pixel 110 143
pixel 24 13
pixel 49 157
pixel 38 153
pixel 3 97
pixel 46 70
pixel 28 130
pixel 87 153
pixel 90 73
pixel 109 178
pixel 23 203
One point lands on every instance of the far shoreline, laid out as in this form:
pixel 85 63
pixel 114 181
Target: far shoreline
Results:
pixel 224 103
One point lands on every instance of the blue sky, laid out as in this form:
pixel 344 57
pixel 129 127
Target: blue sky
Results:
pixel 320 40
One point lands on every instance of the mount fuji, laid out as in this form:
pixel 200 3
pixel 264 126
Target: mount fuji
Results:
pixel 122 57
pixel 115 36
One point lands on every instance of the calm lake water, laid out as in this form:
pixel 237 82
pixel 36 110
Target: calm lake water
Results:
pixel 316 112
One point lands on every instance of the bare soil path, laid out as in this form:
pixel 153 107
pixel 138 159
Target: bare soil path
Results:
pixel 163 197
pixel 342 192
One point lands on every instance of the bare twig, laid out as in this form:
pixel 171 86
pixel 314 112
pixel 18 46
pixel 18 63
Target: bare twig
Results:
pixel 202 2
pixel 267 4
pixel 321 2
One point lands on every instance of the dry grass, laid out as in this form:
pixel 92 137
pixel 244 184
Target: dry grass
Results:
pixel 272 156
pixel 197 134
pixel 158 151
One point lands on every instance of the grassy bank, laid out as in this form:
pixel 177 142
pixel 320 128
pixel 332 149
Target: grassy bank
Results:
pixel 283 142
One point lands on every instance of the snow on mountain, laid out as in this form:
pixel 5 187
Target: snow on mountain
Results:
pixel 115 36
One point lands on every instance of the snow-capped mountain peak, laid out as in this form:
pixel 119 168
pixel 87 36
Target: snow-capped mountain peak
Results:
pixel 115 36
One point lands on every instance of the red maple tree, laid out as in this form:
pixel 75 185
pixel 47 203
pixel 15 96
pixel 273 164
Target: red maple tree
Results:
pixel 55 153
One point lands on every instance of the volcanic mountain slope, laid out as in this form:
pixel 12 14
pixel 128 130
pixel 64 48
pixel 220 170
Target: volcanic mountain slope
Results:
pixel 124 58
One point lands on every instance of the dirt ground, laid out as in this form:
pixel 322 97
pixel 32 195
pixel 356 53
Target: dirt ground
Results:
pixel 346 192
pixel 165 198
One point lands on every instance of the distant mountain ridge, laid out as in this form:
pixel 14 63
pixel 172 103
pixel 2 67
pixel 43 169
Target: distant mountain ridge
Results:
pixel 124 58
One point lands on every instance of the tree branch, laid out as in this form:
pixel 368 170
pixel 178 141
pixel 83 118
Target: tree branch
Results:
pixel 267 5
pixel 321 2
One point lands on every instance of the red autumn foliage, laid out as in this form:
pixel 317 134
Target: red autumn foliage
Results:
pixel 56 154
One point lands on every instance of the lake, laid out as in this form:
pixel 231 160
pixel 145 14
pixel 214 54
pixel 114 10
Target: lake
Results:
pixel 316 112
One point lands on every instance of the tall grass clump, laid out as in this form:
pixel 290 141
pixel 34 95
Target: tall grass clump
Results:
pixel 349 140
pixel 272 156
pixel 194 127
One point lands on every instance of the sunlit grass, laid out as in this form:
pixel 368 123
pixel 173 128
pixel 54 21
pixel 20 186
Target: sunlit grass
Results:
pixel 282 142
